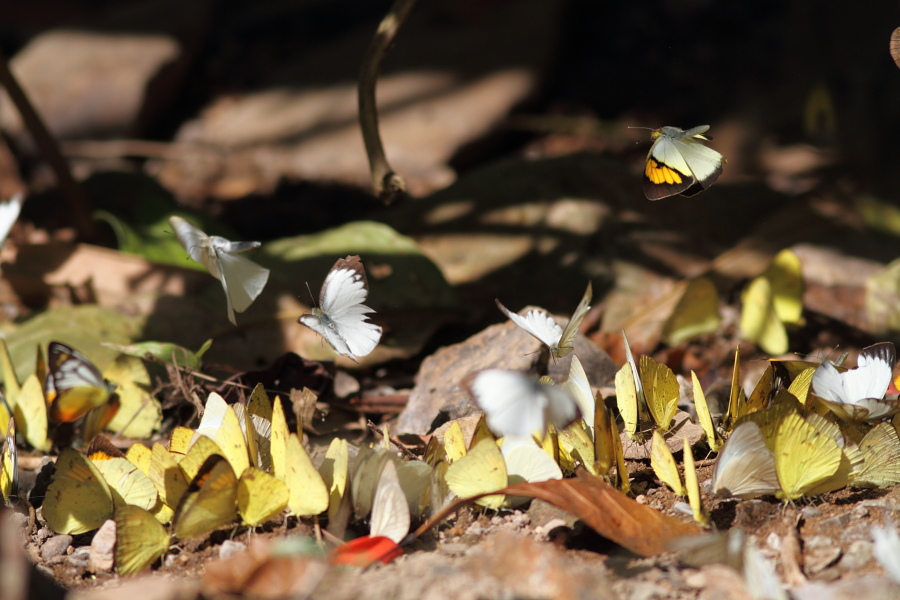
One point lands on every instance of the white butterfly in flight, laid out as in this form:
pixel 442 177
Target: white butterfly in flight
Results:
pixel 242 279
pixel 517 405
pixel 341 317
pixel 545 328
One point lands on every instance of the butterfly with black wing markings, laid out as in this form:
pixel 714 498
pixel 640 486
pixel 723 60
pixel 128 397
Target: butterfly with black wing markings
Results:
pixel 342 317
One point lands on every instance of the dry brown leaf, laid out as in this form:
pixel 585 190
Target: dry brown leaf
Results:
pixel 602 507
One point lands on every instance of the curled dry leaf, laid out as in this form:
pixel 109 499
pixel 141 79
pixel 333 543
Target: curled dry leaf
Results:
pixel 602 507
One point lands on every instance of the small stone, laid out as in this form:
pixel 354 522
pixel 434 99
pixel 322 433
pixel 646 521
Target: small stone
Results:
pixel 808 512
pixel 80 558
pixel 43 534
pixel 55 546
pixel 820 558
pixel 773 541
pixel 229 548
pixel 857 555
pixel 102 546
pixel 837 521
pixel 695 579
pixel 453 549
pixel 642 499
pixel 860 511
pixel 818 541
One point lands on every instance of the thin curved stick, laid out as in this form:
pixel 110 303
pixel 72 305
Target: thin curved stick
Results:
pixel 386 184
pixel 49 148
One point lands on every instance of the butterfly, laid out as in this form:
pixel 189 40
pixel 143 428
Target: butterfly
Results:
pixel 242 279
pixel 9 212
pixel 341 317
pixel 517 405
pixel 858 394
pixel 140 539
pixel 545 328
pixel 678 163
pixel 78 498
pixel 9 464
pixel 746 467
pixel 78 387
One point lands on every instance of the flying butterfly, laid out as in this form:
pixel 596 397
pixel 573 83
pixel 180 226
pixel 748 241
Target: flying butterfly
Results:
pixel 242 279
pixel 679 163
pixel 545 328
pixel 342 317
pixel 517 405
pixel 78 387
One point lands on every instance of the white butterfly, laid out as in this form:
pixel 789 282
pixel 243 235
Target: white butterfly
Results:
pixel 9 212
pixel 579 387
pixel 390 509
pixel 746 467
pixel 241 278
pixel 858 394
pixel 517 405
pixel 545 328
pixel 341 318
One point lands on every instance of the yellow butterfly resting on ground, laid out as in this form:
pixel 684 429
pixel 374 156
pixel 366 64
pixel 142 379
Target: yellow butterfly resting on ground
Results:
pixel 140 539
pixel 127 484
pixel 679 163
pixel 652 389
pixel 242 279
pixel 746 466
pixel 663 464
pixel 545 328
pixel 210 501
pixel 78 498
pixel 78 386
pixel 9 464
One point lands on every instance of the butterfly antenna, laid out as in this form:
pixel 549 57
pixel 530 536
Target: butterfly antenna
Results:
pixel 313 298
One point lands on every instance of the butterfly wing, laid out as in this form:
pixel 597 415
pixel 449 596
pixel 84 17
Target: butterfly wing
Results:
pixel 578 386
pixel 79 385
pixel 539 324
pixel 746 467
pixel 512 402
pixel 390 509
pixel 242 279
pixel 9 212
pixel 197 244
pixel 567 339
pixel 704 163
pixel 342 319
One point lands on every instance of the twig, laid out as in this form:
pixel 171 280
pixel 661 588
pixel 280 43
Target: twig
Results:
pixel 406 451
pixel 48 147
pixel 386 184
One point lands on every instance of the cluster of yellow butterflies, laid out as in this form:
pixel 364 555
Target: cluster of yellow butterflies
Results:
pixel 69 387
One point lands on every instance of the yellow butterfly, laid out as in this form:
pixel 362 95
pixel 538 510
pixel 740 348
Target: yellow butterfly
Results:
pixel 78 498
pixel 663 464
pixel 481 470
pixel 209 502
pixel 127 484
pixel 335 472
pixel 652 389
pixel 881 454
pixel 692 485
pixel 140 539
pixel 9 464
pixel 704 417
pixel 804 457
pixel 260 496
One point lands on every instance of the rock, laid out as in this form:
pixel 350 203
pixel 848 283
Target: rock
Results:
pixel 869 587
pixel 80 558
pixel 858 554
pixel 501 346
pixel 229 548
pixel 55 546
pixel 102 547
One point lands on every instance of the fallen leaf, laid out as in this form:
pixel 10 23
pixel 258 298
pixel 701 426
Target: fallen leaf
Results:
pixel 602 507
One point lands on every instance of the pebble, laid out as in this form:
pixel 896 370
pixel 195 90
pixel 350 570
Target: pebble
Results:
pixel 453 549
pixel 773 541
pixel 809 512
pixel 696 579
pixel 837 521
pixel 229 548
pixel 817 559
pixel 43 534
pixel 857 555
pixel 55 546
pixel 80 558
pixel 102 546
